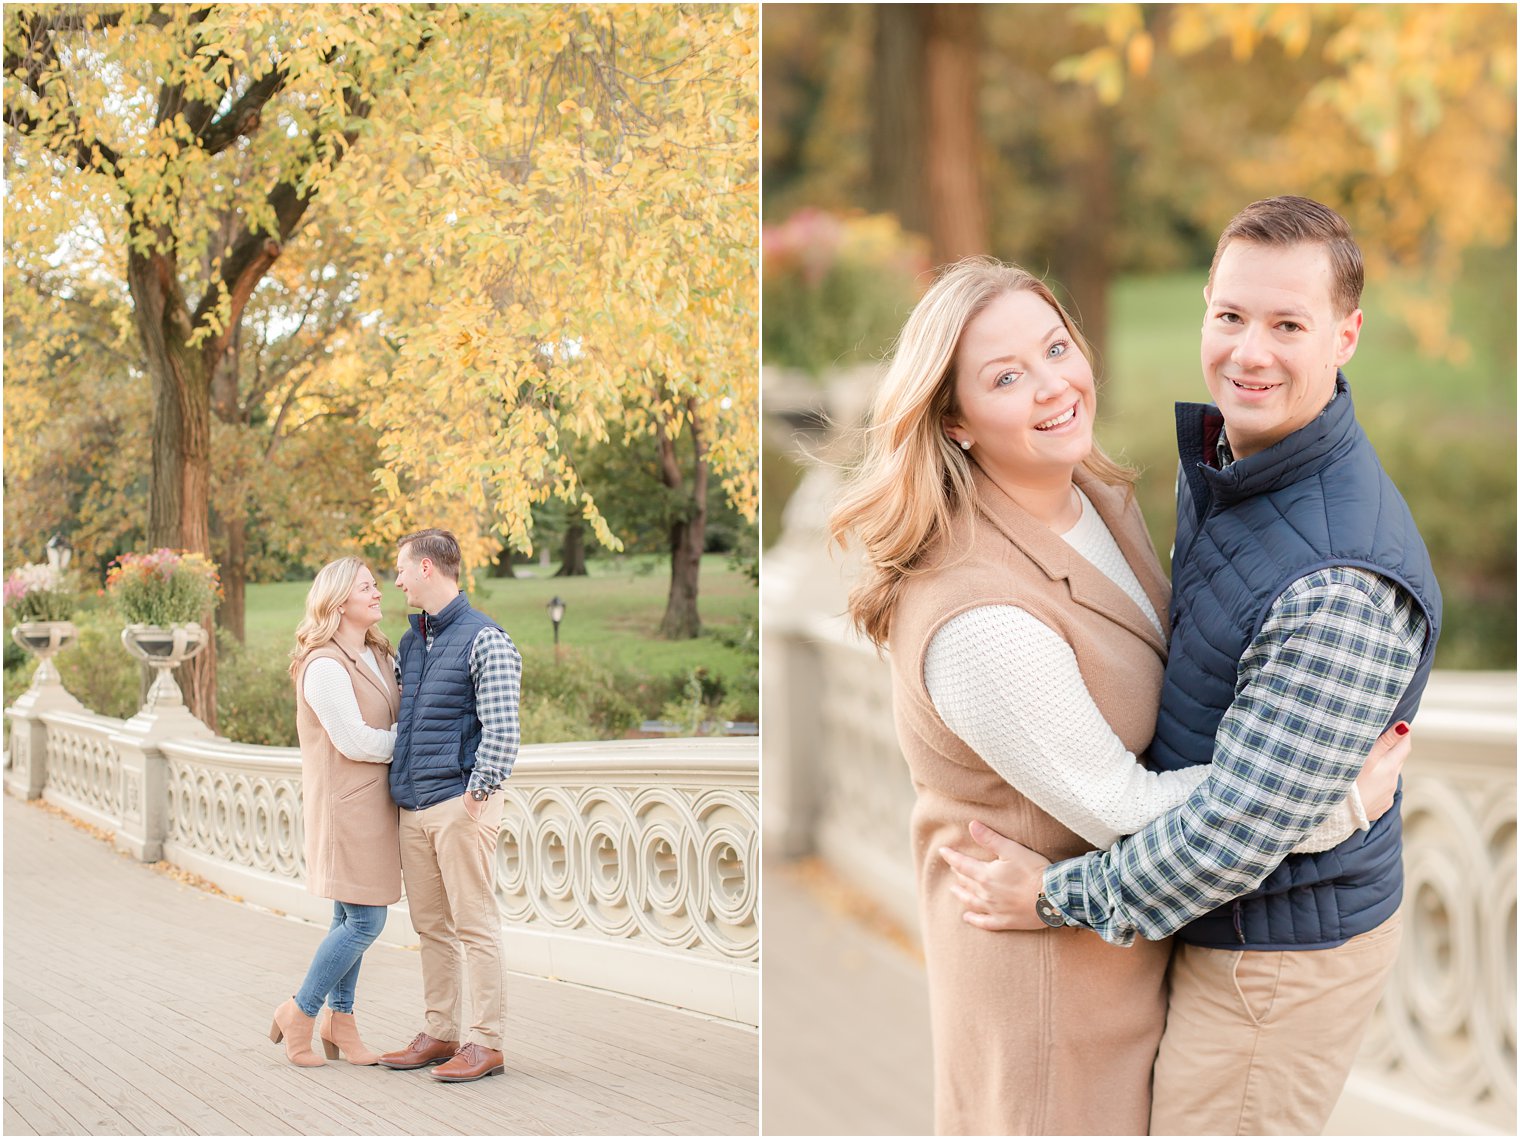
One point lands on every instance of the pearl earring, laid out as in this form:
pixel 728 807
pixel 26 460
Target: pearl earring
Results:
pixel 965 444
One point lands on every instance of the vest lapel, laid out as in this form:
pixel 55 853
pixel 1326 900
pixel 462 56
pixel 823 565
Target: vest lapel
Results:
pixel 1128 528
pixel 361 671
pixel 1089 586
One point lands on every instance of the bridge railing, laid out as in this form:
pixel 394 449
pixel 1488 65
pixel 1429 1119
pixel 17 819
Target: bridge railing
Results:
pixel 627 865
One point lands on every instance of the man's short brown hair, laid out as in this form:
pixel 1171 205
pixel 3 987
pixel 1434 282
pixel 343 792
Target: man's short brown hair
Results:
pixel 439 546
pixel 1291 220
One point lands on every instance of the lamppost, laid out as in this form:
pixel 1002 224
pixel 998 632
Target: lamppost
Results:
pixel 556 609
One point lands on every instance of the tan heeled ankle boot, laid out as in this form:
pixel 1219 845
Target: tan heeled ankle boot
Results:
pixel 339 1031
pixel 294 1027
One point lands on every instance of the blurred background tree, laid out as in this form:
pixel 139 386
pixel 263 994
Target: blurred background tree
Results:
pixel 1104 146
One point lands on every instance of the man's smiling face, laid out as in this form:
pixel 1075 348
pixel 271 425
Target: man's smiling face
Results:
pixel 1272 340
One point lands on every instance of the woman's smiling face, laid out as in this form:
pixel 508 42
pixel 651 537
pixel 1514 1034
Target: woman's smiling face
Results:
pixel 1024 393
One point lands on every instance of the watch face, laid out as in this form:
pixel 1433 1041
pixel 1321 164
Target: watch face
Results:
pixel 1048 913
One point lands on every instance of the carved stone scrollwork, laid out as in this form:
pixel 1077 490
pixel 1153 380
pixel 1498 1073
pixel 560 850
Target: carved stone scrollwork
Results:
pixel 664 864
pixel 252 821
pixel 84 766
pixel 1446 1025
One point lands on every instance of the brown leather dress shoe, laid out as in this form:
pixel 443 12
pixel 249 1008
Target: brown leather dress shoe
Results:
pixel 470 1063
pixel 422 1051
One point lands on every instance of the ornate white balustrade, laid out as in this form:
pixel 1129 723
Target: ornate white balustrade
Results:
pixel 648 846
pixel 628 866
pixel 1440 1056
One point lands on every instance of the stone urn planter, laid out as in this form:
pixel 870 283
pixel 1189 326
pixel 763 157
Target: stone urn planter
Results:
pixel 163 648
pixel 42 639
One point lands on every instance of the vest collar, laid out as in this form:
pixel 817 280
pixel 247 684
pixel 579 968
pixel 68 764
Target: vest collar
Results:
pixel 1090 587
pixel 358 668
pixel 1303 454
pixel 442 619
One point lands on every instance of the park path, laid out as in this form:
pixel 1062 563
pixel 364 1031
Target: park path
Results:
pixel 137 1004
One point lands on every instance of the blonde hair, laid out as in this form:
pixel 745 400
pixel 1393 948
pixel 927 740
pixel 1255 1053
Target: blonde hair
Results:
pixel 913 481
pixel 334 582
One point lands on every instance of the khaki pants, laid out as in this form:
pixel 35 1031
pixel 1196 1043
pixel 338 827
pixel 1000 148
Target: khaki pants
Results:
pixel 1260 1043
pixel 448 862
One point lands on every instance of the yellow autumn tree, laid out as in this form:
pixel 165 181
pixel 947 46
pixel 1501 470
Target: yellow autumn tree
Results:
pixel 1409 130
pixel 583 227
pixel 548 209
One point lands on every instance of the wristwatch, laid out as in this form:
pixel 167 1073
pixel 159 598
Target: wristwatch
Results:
pixel 1048 912
pixel 481 794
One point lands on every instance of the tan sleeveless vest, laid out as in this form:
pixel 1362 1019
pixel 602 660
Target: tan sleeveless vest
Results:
pixel 1043 1032
pixel 1002 556
pixel 353 845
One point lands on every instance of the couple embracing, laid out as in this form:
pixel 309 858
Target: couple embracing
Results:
pixel 432 731
pixel 1189 793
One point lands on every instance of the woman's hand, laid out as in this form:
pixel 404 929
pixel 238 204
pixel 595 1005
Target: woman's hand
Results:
pixel 998 894
pixel 1379 779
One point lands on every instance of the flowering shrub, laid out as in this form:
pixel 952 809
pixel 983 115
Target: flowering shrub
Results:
pixel 39 593
pixel 165 587
pixel 837 289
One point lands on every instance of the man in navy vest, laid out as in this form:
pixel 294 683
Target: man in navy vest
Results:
pixel 456 742
pixel 1304 620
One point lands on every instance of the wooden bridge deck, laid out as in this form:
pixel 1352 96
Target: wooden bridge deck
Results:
pixel 137 1004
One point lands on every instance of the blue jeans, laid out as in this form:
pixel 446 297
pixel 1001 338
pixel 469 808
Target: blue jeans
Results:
pixel 335 969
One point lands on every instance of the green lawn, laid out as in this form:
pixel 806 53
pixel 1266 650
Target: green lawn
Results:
pixel 613 613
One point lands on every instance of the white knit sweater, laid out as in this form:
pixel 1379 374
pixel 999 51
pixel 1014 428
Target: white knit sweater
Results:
pixel 329 690
pixel 1009 686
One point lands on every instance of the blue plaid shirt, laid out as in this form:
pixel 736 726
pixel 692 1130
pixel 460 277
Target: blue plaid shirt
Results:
pixel 496 673
pixel 1314 690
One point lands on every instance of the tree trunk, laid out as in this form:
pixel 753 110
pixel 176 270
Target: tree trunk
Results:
pixel 687 535
pixel 232 613
pixel 953 153
pixel 573 551
pixel 180 488
pixel 925 141
pixel 1084 261
pixel 897 120
pixel 502 566
pixel 681 621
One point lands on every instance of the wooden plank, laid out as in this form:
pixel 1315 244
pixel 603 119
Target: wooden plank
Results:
pixel 14 1124
pixel 846 1016
pixel 43 1059
pixel 174 990
pixel 33 1108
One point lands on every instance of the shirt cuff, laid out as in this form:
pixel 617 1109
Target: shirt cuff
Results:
pixel 1068 890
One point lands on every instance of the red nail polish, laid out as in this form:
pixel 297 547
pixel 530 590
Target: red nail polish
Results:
pixel 1401 728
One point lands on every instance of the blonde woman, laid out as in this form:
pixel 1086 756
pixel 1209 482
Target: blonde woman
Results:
pixel 347 699
pixel 1007 567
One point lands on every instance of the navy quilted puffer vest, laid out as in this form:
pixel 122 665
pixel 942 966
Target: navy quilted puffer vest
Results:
pixel 1319 498
pixel 437 731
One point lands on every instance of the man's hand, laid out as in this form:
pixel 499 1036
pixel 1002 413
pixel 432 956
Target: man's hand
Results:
pixel 472 808
pixel 1380 772
pixel 999 894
